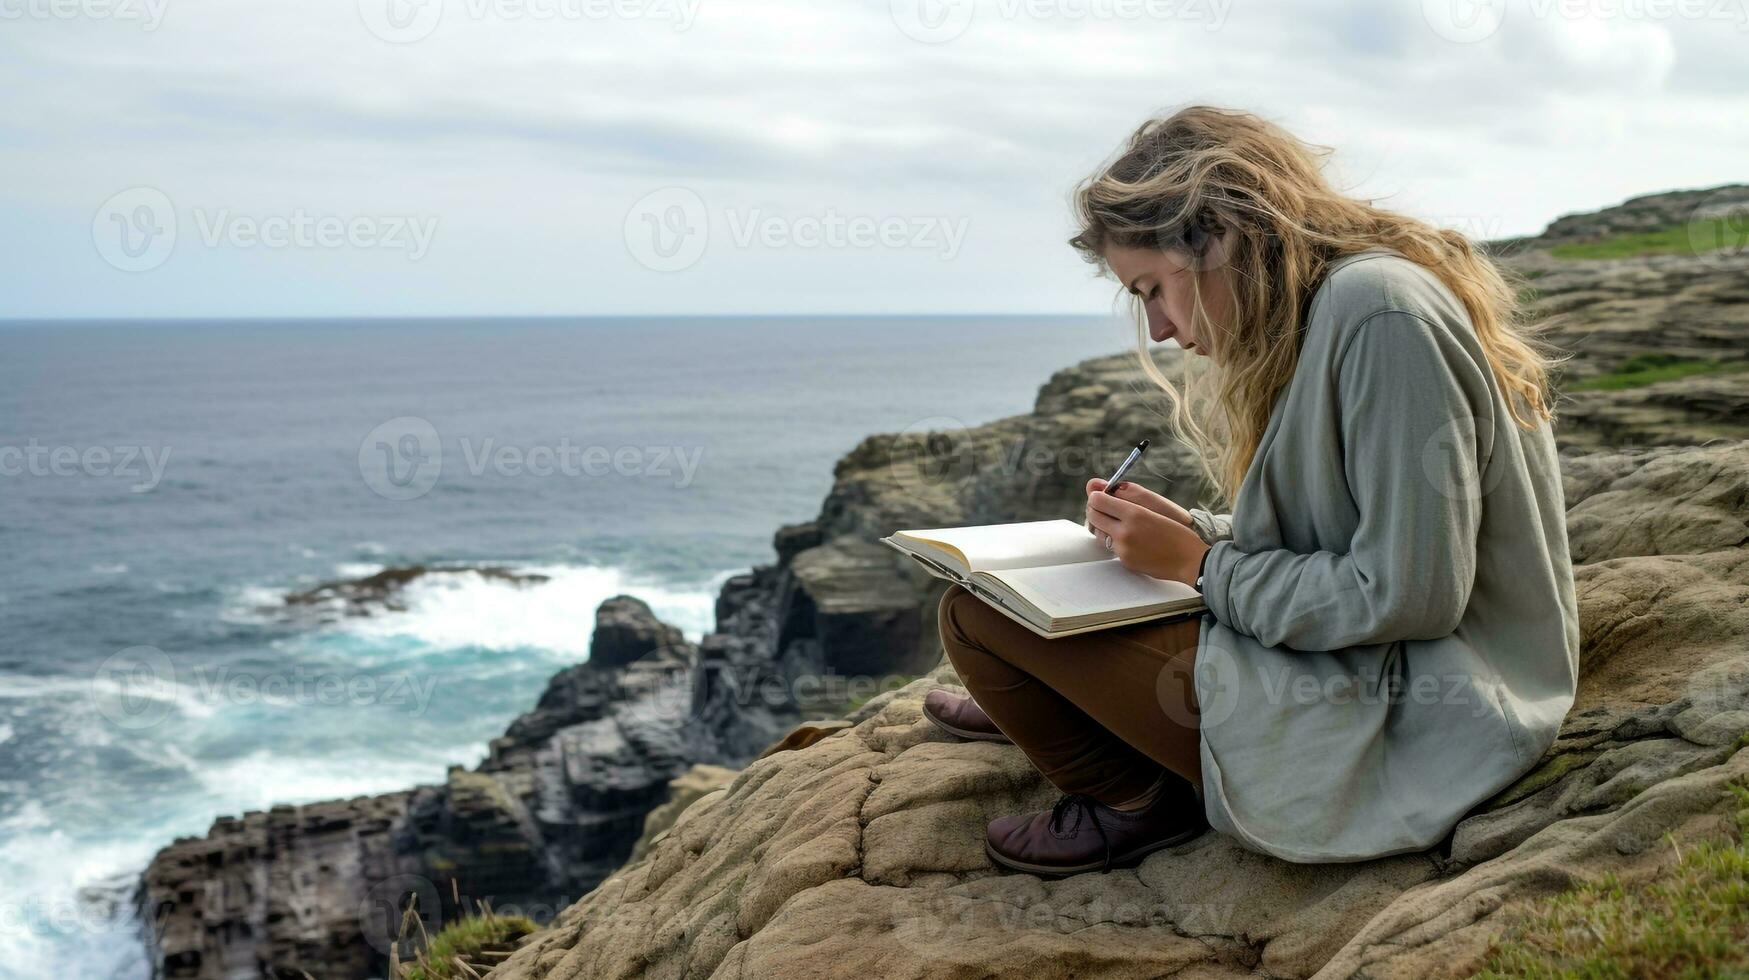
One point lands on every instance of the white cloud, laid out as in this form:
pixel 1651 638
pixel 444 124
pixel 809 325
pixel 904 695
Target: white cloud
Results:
pixel 528 138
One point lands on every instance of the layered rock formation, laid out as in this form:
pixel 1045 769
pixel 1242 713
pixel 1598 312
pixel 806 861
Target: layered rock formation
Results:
pixel 862 855
pixel 1689 305
pixel 859 849
pixel 555 808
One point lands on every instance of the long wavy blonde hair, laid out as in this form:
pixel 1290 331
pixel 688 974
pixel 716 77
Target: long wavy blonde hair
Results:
pixel 1185 179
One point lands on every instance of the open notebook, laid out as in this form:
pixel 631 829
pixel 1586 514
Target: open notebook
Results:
pixel 1053 577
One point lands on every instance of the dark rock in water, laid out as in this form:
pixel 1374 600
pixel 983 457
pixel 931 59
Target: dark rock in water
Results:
pixel 626 629
pixel 554 809
pixel 292 887
pixel 382 591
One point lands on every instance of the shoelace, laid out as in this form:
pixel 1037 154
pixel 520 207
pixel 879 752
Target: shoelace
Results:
pixel 1081 803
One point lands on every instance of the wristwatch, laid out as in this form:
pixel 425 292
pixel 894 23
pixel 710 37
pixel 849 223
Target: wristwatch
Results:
pixel 1201 567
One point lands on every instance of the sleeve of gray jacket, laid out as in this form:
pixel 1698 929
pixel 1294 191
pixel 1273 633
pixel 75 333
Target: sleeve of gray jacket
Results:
pixel 1211 527
pixel 1408 396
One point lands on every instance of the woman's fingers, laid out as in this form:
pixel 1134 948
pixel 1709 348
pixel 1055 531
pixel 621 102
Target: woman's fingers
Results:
pixel 1113 518
pixel 1113 506
pixel 1103 526
pixel 1151 500
pixel 1134 493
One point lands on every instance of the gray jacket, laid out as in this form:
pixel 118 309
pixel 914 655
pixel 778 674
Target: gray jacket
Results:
pixel 1392 633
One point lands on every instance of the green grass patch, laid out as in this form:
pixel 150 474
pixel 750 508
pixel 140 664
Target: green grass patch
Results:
pixel 1648 369
pixel 468 948
pixel 1694 238
pixel 1692 921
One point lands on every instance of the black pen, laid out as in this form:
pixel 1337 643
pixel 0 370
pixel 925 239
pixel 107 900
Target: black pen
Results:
pixel 1124 467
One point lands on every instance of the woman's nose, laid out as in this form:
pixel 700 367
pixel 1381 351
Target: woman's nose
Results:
pixel 1156 322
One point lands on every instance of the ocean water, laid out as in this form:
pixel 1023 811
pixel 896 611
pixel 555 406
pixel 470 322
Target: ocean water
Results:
pixel 163 486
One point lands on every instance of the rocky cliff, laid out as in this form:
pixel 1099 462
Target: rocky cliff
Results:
pixel 558 805
pixel 862 855
pixel 858 849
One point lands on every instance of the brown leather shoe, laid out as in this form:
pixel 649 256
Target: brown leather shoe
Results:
pixel 959 715
pixel 1081 834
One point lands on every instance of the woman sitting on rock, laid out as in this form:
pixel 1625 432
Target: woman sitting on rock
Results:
pixel 1392 633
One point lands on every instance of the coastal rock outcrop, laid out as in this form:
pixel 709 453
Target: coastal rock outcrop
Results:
pixel 856 848
pixel 558 804
pixel 626 629
pixel 1685 303
pixel 383 590
pixel 862 853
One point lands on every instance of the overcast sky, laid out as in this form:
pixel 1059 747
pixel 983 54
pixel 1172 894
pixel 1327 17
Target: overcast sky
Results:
pixel 173 158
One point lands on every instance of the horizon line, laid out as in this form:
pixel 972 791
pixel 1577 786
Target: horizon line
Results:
pixel 338 317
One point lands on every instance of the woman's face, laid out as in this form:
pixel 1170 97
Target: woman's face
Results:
pixel 1162 279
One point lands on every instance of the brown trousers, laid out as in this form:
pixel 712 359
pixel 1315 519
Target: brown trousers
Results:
pixel 1103 713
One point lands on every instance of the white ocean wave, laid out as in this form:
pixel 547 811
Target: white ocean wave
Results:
pixel 265 778
pixel 103 690
pixel 65 924
pixel 449 610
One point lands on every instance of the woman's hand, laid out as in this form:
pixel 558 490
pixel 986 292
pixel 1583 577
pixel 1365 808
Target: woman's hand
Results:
pixel 1137 494
pixel 1143 540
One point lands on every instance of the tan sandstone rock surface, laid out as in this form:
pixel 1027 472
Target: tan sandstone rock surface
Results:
pixel 861 855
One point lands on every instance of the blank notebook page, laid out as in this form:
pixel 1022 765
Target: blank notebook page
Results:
pixel 1073 590
pixel 999 546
